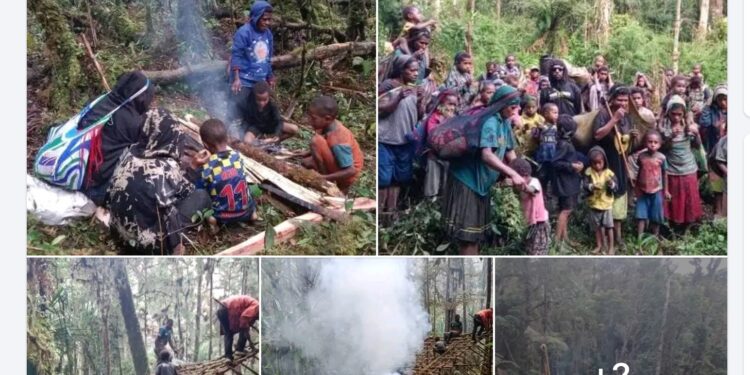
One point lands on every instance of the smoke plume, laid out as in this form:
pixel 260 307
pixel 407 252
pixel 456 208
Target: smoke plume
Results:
pixel 359 317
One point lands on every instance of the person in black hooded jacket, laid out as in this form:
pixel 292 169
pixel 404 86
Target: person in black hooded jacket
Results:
pixel 117 135
pixel 562 91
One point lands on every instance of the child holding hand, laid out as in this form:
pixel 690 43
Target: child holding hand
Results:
pixel 532 201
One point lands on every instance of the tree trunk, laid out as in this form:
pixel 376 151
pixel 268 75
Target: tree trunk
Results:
pixel 210 277
pixel 471 7
pixel 463 287
pixel 498 9
pixel 603 9
pixel 137 349
pixel 664 313
pixel 488 301
pixel 716 10
pixel 437 6
pixel 676 45
pixel 199 269
pixel 702 31
pixel 178 313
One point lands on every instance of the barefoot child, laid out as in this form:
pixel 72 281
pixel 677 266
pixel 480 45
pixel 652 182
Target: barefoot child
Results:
pixel 334 152
pixel 651 181
pixel 222 174
pixel 546 137
pixel 566 178
pixel 718 163
pixel 530 122
pixel 532 201
pixel 601 184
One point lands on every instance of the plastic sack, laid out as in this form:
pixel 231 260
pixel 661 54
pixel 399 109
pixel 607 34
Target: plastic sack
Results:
pixel 55 206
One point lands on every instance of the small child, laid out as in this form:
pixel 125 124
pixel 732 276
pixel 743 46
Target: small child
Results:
pixel 222 174
pixel 412 17
pixel 260 116
pixel 436 169
pixel 566 178
pixel 164 366
pixel 546 137
pixel 601 184
pixel 530 121
pixel 334 152
pixel 650 182
pixel 460 79
pixel 537 217
pixel 491 73
pixel 678 86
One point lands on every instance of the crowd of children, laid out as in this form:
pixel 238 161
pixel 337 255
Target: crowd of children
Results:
pixel 639 150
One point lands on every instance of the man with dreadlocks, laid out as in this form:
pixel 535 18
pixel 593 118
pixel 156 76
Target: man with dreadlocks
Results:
pixel 562 91
pixel 614 132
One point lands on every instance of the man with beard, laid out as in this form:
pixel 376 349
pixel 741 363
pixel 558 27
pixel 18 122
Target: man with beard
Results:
pixel 562 91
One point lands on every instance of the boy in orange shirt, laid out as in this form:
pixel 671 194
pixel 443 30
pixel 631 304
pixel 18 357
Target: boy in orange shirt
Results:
pixel 334 152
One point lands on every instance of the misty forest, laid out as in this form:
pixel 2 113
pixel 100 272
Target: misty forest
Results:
pixel 103 316
pixel 375 316
pixel 78 49
pixel 569 317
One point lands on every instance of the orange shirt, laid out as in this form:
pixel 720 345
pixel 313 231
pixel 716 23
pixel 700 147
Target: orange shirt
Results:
pixel 486 317
pixel 243 312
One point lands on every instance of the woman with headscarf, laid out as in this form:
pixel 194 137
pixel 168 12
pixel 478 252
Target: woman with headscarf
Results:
pixel 398 114
pixel 713 118
pixel 151 200
pixel 466 203
pixel 134 93
pixel 642 82
pixel 417 42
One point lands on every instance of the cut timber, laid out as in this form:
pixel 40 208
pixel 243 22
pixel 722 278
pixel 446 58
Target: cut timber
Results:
pixel 220 365
pixel 333 214
pixel 287 230
pixel 278 62
pixel 300 175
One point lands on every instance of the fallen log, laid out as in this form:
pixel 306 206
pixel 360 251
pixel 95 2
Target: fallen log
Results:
pixel 287 229
pixel 289 60
pixel 300 25
pixel 333 214
pixel 300 175
pixel 219 365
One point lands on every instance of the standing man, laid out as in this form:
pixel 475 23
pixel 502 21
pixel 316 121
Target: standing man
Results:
pixel 163 338
pixel 562 91
pixel 236 315
pixel 252 51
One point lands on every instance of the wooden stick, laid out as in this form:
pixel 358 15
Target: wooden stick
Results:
pixel 96 62
pixel 342 89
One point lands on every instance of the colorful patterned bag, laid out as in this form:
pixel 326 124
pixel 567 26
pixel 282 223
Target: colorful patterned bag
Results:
pixel 63 159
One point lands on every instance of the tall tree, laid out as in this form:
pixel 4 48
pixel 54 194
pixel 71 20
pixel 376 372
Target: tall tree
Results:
pixel 700 34
pixel 199 268
pixel 127 307
pixel 676 42
pixel 716 10
pixel 664 315
pixel 211 264
pixel 603 9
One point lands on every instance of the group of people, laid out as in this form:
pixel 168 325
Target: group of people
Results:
pixel 154 176
pixel 588 140
pixel 236 316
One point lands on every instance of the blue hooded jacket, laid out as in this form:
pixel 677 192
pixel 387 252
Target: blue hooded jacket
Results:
pixel 252 49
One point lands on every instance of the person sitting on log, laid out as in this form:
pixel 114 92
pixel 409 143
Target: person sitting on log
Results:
pixel 260 116
pixel 482 323
pixel 222 174
pixel 165 365
pixel 456 328
pixel 236 315
pixel 163 338
pixel 334 151
pixel 252 51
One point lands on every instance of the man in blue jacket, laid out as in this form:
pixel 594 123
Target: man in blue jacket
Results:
pixel 252 51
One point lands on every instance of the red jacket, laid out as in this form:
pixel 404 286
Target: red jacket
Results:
pixel 243 312
pixel 486 317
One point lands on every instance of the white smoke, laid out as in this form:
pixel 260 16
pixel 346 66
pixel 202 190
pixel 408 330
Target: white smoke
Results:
pixel 361 317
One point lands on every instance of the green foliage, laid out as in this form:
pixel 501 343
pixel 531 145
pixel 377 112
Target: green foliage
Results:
pixel 508 223
pixel 416 232
pixel 355 236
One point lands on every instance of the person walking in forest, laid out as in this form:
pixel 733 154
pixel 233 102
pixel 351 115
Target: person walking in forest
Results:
pixel 165 366
pixel 163 338
pixel 237 315
pixel 482 323
pixel 252 51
